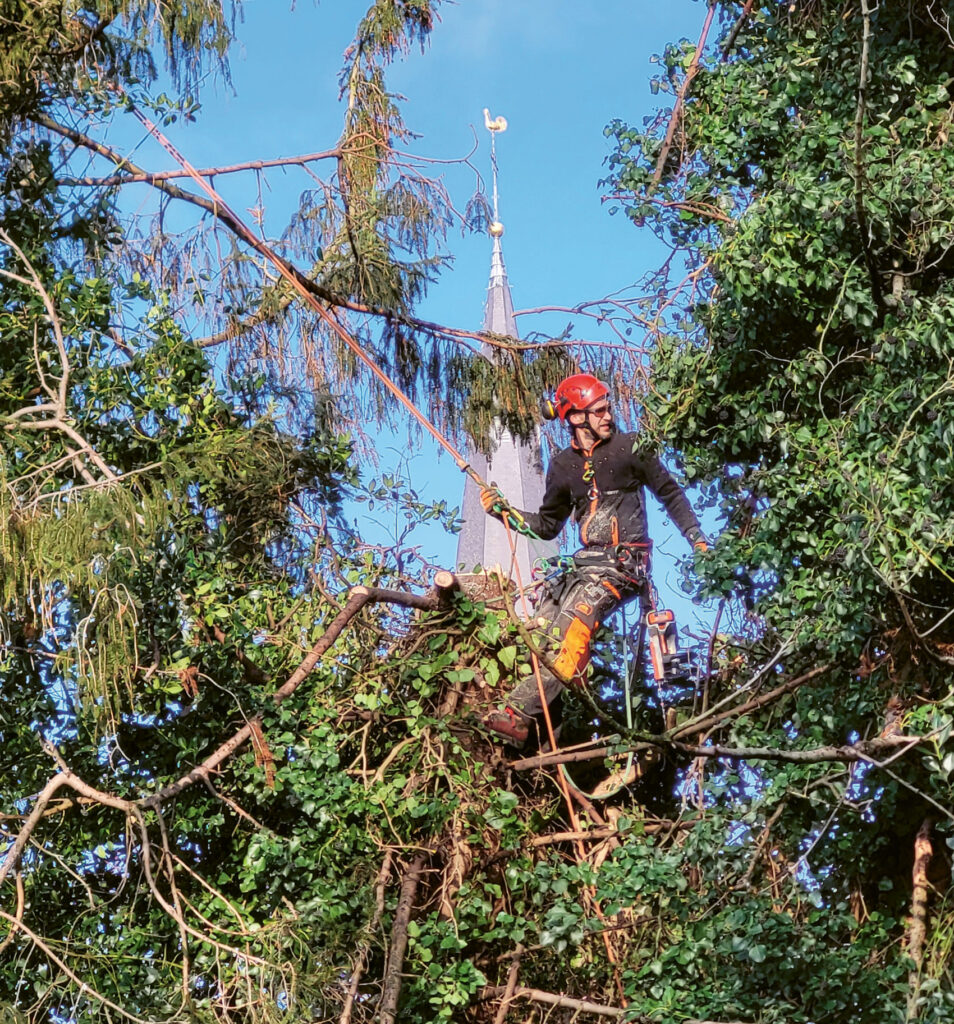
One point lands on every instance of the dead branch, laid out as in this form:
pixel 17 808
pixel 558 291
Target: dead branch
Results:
pixel 608 832
pixel 866 750
pixel 57 404
pixel 917 928
pixel 706 723
pixel 150 177
pixel 535 995
pixel 391 992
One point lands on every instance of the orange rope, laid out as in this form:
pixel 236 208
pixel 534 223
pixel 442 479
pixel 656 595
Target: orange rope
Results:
pixel 564 787
pixel 294 278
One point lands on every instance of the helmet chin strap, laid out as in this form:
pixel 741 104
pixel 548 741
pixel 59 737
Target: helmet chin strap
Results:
pixel 586 428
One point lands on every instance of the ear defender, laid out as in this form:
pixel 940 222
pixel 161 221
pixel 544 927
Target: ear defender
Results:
pixel 548 409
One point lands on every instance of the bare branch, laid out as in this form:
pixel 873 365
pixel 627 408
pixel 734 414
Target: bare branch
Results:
pixel 681 98
pixel 151 177
pixel 705 723
pixel 362 958
pixel 866 750
pixel 41 944
pixel 12 859
pixel 511 986
pixel 535 995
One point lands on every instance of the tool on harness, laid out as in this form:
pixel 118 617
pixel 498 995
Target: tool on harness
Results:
pixel 546 569
pixel 669 663
pixel 634 560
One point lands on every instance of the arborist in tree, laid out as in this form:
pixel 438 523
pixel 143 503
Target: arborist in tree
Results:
pixel 600 479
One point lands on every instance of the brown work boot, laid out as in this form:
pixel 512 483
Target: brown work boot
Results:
pixel 508 724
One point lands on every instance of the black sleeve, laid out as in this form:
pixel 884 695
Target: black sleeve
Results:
pixel 555 508
pixel 660 481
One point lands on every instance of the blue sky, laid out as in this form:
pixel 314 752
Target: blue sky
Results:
pixel 558 70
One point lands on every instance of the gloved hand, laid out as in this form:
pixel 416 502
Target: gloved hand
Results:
pixel 490 496
pixel 698 541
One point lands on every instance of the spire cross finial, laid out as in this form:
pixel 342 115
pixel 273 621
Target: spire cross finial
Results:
pixel 498 124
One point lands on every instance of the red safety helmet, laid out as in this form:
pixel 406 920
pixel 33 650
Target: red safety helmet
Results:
pixel 575 394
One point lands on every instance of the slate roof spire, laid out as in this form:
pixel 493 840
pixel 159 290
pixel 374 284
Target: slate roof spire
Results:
pixel 516 467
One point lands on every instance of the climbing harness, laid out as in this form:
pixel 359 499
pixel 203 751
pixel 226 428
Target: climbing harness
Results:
pixel 548 568
pixel 654 631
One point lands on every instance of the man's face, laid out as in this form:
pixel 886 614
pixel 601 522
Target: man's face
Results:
pixel 596 421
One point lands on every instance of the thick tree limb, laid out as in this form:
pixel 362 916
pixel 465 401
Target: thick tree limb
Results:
pixel 444 584
pixel 391 992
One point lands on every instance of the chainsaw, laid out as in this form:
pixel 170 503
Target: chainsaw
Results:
pixel 669 663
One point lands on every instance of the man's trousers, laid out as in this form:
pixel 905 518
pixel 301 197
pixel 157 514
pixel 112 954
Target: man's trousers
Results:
pixel 571 610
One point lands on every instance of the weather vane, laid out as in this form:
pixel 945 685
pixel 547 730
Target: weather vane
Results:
pixel 498 124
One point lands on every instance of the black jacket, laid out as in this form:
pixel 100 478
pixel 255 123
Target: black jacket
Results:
pixel 603 488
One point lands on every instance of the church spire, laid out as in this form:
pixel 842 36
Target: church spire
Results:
pixel 516 467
